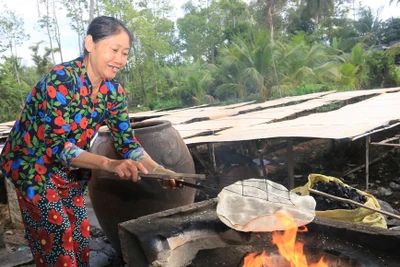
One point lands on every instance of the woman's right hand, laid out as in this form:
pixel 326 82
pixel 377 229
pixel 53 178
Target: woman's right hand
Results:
pixel 126 169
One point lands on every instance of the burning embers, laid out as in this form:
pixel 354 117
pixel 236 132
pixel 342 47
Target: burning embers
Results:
pixel 289 248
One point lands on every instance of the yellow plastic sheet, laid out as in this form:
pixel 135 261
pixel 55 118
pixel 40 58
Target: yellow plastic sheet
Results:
pixel 358 215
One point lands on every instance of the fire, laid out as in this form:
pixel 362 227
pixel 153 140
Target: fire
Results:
pixel 291 250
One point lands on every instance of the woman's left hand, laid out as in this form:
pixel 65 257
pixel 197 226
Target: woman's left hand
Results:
pixel 168 183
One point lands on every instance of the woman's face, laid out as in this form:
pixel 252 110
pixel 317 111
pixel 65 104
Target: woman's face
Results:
pixel 109 55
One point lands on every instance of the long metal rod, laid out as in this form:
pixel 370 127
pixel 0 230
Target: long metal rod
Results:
pixel 354 203
pixel 367 141
pixel 176 175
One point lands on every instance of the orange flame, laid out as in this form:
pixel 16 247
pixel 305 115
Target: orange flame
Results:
pixel 291 250
pixel 253 259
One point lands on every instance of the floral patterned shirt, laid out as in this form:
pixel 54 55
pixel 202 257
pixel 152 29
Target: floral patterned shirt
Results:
pixel 58 122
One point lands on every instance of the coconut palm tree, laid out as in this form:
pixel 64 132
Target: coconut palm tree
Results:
pixel 319 8
pixel 276 68
pixel 345 68
pixel 367 26
pixel 186 82
pixel 299 63
pixel 247 66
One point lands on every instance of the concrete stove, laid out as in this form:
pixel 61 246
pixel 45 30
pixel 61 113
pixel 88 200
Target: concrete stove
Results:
pixel 193 236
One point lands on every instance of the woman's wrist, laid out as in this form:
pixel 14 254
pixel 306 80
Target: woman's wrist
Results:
pixel 158 166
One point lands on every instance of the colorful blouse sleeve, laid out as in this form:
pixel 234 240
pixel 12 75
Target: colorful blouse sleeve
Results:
pixel 118 122
pixel 58 90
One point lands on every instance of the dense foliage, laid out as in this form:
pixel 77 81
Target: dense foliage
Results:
pixel 217 51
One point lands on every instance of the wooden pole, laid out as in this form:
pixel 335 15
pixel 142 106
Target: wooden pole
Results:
pixel 211 151
pixel 289 153
pixel 398 148
pixel 367 141
pixel 264 171
pixel 205 164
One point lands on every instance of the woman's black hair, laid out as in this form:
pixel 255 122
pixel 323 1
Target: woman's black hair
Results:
pixel 103 27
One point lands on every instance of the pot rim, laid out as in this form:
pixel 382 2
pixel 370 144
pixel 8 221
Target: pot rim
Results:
pixel 143 126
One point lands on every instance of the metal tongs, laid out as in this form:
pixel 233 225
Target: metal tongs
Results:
pixel 178 177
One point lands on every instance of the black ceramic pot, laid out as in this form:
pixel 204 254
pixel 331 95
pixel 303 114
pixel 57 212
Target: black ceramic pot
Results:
pixel 117 201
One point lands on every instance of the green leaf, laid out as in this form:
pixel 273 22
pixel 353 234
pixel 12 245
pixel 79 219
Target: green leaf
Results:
pixel 35 141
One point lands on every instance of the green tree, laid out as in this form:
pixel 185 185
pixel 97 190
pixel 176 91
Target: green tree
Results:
pixel 299 63
pixel 335 22
pixel 12 32
pixel 298 20
pixel 380 70
pixel 43 62
pixel 75 9
pixel 11 37
pixel 367 26
pixel 319 8
pixel 187 83
pixel 153 34
pixel 349 66
pixel 389 31
pixel 269 14
pixel 13 93
pixel 234 15
pixel 49 22
pixel 201 32
pixel 247 66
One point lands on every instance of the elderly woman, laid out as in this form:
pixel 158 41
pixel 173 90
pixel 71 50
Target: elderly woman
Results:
pixel 50 140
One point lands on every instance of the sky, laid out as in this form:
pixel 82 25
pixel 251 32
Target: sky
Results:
pixel 28 10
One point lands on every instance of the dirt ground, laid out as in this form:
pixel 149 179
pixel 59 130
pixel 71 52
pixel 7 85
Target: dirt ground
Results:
pixel 13 237
pixel 332 158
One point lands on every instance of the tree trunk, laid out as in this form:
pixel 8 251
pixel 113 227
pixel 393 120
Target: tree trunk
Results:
pixel 48 31
pixel 17 73
pixel 38 7
pixel 57 34
pixel 316 21
pixel 141 76
pixel 14 61
pixel 269 13
pixel 143 86
pixel 79 38
pixel 91 11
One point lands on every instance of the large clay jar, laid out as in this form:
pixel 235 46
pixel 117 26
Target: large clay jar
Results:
pixel 116 201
